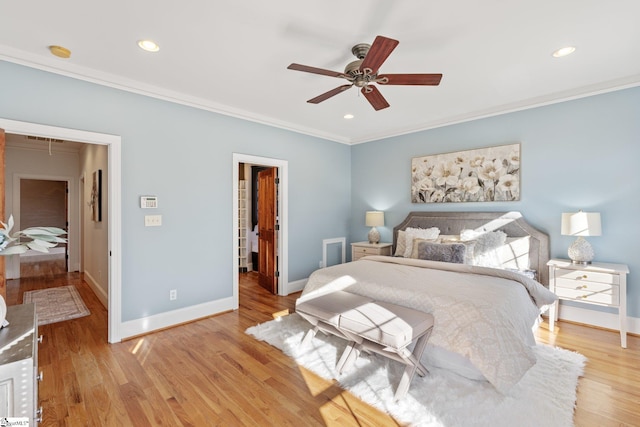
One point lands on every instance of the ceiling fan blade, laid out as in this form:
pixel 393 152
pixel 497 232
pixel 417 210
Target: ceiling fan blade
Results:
pixel 378 53
pixel 333 92
pixel 374 97
pixel 314 70
pixel 409 79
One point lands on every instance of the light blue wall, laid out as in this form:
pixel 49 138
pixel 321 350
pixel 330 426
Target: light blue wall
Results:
pixel 581 154
pixel 575 155
pixel 184 156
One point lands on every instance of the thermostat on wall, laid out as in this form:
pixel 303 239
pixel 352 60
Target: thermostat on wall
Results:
pixel 147 202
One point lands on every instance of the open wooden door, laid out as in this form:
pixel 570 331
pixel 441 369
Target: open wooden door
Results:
pixel 267 230
pixel 3 281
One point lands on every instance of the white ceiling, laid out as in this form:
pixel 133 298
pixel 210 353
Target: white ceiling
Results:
pixel 232 57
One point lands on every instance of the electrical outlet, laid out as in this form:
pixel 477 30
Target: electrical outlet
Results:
pixel 320 264
pixel 173 294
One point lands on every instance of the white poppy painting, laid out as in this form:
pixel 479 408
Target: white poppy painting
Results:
pixel 481 175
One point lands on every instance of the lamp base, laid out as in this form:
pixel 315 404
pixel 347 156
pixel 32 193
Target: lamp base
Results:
pixel 374 235
pixel 581 252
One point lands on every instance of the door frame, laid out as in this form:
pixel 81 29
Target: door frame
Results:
pixel 283 212
pixel 114 215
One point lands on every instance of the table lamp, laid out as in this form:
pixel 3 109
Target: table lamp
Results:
pixel 581 224
pixel 374 219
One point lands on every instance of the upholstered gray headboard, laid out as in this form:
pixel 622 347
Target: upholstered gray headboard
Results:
pixel 512 223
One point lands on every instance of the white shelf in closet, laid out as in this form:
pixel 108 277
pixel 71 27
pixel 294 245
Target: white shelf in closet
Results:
pixel 242 226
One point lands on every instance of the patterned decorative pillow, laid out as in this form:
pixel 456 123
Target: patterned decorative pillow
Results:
pixel 443 252
pixel 401 245
pixel 418 233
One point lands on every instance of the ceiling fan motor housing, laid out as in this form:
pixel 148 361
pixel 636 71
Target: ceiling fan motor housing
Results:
pixel 371 56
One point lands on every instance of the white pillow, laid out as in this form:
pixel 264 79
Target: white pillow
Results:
pixel 418 233
pixel 487 243
pixel 401 243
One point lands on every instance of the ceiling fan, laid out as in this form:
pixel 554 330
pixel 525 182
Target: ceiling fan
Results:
pixel 364 71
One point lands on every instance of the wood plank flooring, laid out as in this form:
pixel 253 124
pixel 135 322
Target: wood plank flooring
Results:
pixel 209 372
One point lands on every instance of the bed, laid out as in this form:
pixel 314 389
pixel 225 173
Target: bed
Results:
pixel 485 308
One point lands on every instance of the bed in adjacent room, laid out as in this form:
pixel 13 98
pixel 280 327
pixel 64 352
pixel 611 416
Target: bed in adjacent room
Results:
pixel 480 276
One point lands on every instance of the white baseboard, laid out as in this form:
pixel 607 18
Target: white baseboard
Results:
pixel 296 286
pixel 168 319
pixel 597 318
pixel 95 287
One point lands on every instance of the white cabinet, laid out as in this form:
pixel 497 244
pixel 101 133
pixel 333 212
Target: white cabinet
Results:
pixel 19 365
pixel 598 283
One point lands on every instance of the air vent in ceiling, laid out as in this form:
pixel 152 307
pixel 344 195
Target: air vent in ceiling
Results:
pixel 43 139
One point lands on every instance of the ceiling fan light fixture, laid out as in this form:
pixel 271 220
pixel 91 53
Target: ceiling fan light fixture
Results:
pixel 348 116
pixel 564 51
pixel 148 45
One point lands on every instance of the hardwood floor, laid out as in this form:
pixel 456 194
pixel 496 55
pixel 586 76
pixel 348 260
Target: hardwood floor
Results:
pixel 210 372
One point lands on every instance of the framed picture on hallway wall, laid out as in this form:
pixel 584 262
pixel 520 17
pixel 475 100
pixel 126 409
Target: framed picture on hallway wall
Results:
pixel 96 196
pixel 482 175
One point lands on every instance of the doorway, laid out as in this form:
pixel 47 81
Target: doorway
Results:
pixel 113 144
pixel 282 213
pixel 44 202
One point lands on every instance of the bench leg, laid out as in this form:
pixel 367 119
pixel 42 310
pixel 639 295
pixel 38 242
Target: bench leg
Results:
pixel 309 336
pixel 347 357
pixel 413 364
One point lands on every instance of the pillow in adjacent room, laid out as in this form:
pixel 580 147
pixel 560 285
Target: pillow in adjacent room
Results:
pixel 443 252
pixel 418 233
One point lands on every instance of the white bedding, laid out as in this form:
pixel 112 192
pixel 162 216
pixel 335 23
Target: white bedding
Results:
pixel 484 315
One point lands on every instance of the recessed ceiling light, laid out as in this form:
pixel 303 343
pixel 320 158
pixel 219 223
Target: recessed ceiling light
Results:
pixel 148 45
pixel 349 116
pixel 564 51
pixel 60 52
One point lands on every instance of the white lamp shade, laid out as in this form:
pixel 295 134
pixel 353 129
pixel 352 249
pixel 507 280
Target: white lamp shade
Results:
pixel 374 219
pixel 581 224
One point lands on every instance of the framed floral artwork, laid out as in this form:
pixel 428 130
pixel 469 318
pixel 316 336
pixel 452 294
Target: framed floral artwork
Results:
pixel 480 175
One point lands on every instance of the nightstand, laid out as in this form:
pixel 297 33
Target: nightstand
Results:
pixel 597 283
pixel 360 249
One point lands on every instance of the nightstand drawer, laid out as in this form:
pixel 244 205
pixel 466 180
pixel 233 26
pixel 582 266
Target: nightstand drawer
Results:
pixel 360 249
pixel 589 276
pixel 360 252
pixel 600 294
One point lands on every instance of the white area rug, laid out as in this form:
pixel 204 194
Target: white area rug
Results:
pixel 544 397
pixel 57 304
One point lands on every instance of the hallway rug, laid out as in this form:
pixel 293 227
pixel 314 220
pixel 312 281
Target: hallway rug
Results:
pixel 545 396
pixel 57 304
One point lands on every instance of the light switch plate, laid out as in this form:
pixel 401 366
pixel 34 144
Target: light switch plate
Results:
pixel 152 220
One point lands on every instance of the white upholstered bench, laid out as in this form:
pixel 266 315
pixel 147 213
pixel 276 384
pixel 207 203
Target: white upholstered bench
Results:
pixel 380 327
